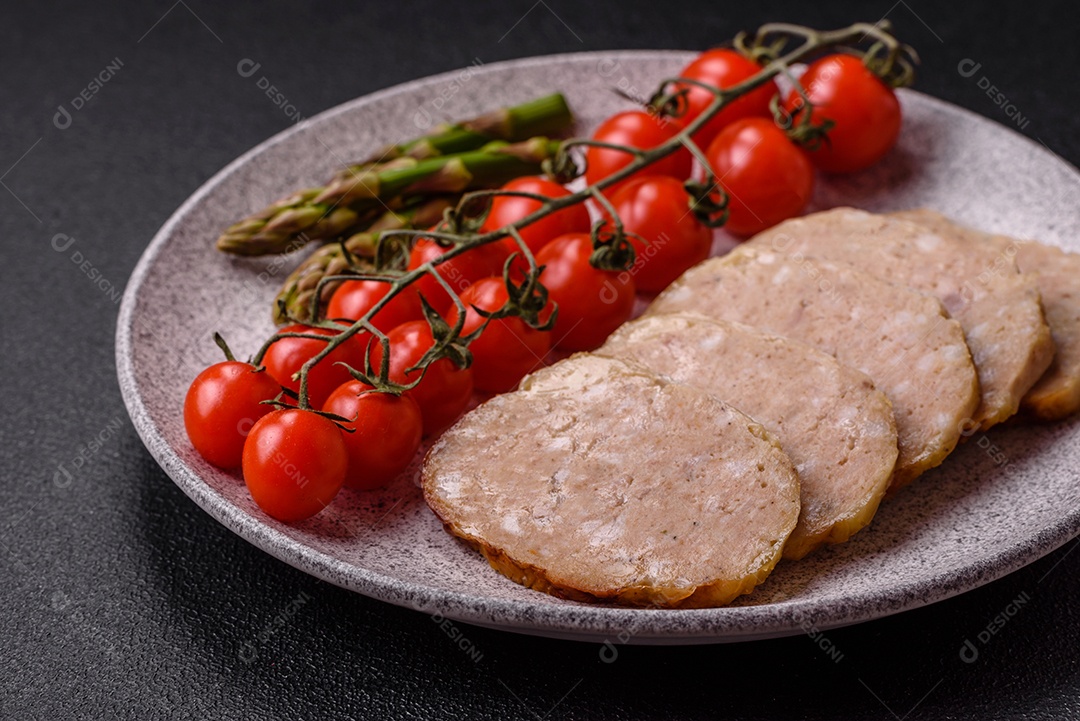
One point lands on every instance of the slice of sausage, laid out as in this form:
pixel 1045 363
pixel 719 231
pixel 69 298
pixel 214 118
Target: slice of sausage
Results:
pixel 598 480
pixel 899 337
pixel 997 306
pixel 1056 394
pixel 836 427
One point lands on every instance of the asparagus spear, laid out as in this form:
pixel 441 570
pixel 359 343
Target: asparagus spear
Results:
pixel 542 116
pixel 547 116
pixel 345 204
pixel 296 294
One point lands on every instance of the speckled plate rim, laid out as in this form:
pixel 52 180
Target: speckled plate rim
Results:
pixel 576 622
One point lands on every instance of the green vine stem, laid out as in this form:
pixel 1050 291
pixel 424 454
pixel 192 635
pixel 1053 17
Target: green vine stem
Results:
pixel 886 56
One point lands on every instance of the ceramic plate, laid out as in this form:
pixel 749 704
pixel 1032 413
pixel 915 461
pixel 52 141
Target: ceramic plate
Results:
pixel 1003 500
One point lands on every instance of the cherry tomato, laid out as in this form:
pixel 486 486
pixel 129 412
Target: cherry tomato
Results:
pixel 294 464
pixel 865 110
pixel 444 391
pixel 386 433
pixel 356 297
pixel 658 209
pixel 286 356
pixel 508 348
pixel 723 68
pixel 221 406
pixel 507 209
pixel 767 177
pixel 636 129
pixel 592 303
pixel 459 272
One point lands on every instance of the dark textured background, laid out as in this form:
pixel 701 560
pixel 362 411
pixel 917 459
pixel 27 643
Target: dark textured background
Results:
pixel 119 597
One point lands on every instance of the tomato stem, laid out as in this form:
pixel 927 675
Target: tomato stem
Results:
pixel 886 56
pixel 224 347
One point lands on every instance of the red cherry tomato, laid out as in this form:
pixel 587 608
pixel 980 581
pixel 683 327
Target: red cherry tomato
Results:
pixel 592 303
pixel 658 209
pixel 294 464
pixel 636 129
pixel 386 433
pixel 508 348
pixel 767 177
pixel 444 391
pixel 459 272
pixel 723 68
pixel 286 356
pixel 221 406
pixel 507 209
pixel 865 110
pixel 356 297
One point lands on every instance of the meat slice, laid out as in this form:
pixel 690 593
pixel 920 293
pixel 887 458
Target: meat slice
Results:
pixel 899 337
pixel 836 427
pixel 997 306
pixel 598 480
pixel 1057 275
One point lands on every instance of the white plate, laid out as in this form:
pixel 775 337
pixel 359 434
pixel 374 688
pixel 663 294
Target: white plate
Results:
pixel 1002 500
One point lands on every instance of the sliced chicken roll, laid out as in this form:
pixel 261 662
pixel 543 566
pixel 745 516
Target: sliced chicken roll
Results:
pixel 598 480
pixel 1057 274
pixel 836 427
pixel 902 339
pixel 997 306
